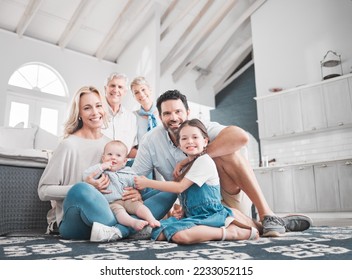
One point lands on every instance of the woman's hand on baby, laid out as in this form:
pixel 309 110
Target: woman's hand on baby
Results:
pixel 101 183
pixel 130 193
pixel 140 182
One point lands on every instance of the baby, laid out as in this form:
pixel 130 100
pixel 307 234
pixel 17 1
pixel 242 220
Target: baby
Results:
pixel 113 164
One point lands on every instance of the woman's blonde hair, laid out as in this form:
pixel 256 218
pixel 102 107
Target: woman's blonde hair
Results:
pixel 139 81
pixel 74 123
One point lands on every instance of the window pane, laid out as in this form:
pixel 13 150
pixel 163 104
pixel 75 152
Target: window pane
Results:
pixel 30 72
pixel 19 112
pixel 46 76
pixel 49 120
pixel 18 80
pixel 39 77
pixel 55 88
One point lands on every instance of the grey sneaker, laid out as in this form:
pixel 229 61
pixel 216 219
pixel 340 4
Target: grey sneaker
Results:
pixel 144 234
pixel 273 226
pixel 297 222
pixel 103 233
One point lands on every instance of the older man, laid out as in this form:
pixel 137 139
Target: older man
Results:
pixel 122 122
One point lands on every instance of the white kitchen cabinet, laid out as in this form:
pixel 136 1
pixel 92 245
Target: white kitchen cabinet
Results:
pixel 319 106
pixel 327 189
pixel 337 103
pixel 312 108
pixel 308 188
pixel 284 200
pixel 291 113
pixel 344 169
pixel 272 117
pixel 264 177
pixel 261 118
pixel 350 85
pixel 304 188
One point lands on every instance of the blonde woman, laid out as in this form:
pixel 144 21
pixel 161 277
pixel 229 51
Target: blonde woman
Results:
pixel 76 205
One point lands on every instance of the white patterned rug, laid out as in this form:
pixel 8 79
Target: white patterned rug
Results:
pixel 317 243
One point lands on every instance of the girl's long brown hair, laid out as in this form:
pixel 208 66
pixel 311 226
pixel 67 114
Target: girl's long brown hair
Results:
pixel 194 123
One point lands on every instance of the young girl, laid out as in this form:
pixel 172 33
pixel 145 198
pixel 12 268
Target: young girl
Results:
pixel 204 217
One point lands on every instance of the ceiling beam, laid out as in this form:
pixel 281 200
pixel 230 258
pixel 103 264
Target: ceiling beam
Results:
pixel 221 85
pixel 168 12
pixel 245 17
pixel 121 24
pixel 182 68
pixel 29 13
pixel 178 19
pixel 200 81
pixel 234 61
pixel 171 57
pixel 146 15
pixel 76 21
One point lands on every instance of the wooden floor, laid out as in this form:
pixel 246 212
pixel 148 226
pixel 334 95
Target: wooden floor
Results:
pixel 339 222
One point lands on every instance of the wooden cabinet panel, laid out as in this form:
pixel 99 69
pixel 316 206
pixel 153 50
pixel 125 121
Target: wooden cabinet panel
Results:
pixel 308 188
pixel 312 107
pixel 272 117
pixel 337 103
pixel 304 188
pixel 264 177
pixel 306 109
pixel 344 169
pixel 291 113
pixel 283 190
pixel 328 198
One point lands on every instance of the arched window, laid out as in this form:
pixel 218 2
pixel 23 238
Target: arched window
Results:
pixel 37 95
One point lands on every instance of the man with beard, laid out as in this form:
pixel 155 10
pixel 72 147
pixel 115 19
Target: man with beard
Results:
pixel 159 150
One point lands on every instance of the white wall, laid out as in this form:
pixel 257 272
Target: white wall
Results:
pixel 310 148
pixel 290 38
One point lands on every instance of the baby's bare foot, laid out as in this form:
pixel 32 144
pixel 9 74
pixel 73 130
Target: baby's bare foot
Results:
pixel 154 223
pixel 139 224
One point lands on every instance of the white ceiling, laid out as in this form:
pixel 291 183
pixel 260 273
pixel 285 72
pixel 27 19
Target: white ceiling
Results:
pixel 212 37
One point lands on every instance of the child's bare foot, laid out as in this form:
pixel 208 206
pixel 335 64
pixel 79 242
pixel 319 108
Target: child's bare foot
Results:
pixel 139 224
pixel 154 223
pixel 234 232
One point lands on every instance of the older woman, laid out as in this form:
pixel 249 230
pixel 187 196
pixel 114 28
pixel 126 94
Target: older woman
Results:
pixel 77 205
pixel 147 115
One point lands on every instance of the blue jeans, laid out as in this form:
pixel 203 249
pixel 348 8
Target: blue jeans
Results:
pixel 84 205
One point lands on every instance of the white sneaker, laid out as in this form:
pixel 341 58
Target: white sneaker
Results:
pixel 103 233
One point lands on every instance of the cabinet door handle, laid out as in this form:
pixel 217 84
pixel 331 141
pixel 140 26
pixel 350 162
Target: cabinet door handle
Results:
pixel 340 124
pixel 301 168
pixel 281 170
pixel 348 163
pixel 323 165
pixel 314 128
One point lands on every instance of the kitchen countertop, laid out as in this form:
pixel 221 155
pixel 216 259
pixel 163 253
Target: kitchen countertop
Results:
pixel 282 165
